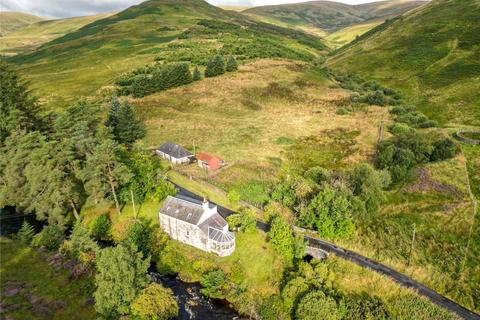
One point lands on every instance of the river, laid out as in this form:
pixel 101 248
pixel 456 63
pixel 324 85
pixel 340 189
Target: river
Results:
pixel 192 304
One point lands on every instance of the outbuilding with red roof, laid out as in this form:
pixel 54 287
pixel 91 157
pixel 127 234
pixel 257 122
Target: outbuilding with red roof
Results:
pixel 206 160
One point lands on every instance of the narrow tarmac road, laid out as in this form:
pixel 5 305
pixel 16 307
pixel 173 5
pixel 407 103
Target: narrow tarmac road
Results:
pixel 362 261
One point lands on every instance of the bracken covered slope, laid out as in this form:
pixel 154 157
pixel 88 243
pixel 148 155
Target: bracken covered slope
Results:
pixel 431 54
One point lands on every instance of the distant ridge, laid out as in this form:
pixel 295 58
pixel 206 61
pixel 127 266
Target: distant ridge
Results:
pixel 331 16
pixel 11 21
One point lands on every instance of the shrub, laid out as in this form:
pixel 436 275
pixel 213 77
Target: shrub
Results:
pixel 399 128
pixel 215 67
pixel 244 220
pixel 155 302
pixel 80 245
pixel 376 98
pixel 364 307
pixel 26 233
pixel 101 228
pixel 214 284
pixel 197 75
pixel 271 308
pixel 233 196
pixel 444 149
pixel 315 305
pixel 293 290
pixel 329 212
pixel 140 235
pixel 231 64
pixel 284 241
pixel 342 111
pixel 51 237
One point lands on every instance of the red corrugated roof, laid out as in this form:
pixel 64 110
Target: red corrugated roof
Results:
pixel 203 156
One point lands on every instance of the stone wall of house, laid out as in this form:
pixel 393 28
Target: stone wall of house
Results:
pixel 183 232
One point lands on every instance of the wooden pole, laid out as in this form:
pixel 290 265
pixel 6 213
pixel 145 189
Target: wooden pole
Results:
pixel 133 204
pixel 380 132
pixel 194 149
pixel 411 246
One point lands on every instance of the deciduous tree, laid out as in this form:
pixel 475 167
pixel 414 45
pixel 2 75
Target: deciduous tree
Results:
pixel 155 302
pixel 121 275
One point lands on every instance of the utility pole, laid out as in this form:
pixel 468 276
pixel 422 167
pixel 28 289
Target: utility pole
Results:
pixel 411 246
pixel 133 204
pixel 380 132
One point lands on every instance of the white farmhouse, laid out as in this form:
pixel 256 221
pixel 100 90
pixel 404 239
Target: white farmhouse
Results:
pixel 197 224
pixel 174 153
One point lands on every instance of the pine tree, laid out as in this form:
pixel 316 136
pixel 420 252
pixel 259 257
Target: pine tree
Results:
pixel 215 67
pixel 26 233
pixel 129 128
pixel 124 123
pixel 197 75
pixel 231 64
pixel 104 173
pixel 112 117
pixel 18 108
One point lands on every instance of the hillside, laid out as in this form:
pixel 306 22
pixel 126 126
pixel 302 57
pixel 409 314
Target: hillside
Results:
pixel 431 54
pixel 11 21
pixel 35 34
pixel 330 16
pixel 81 62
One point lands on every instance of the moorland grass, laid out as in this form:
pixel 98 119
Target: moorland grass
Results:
pixel 23 264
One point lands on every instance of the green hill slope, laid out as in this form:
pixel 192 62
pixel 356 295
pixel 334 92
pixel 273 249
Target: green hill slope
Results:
pixel 11 21
pixel 431 54
pixel 81 62
pixel 330 16
pixel 35 34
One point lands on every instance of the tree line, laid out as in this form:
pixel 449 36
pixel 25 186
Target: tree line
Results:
pixel 52 165
pixel 153 78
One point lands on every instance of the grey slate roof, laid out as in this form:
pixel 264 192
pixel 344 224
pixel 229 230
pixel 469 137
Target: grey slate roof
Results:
pixel 174 150
pixel 182 210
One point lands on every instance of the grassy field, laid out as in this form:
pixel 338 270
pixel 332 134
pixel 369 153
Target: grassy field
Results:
pixel 33 289
pixel 253 121
pixel 401 303
pixel 431 55
pixel 33 35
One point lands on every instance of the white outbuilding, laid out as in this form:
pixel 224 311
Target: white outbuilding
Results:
pixel 174 153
